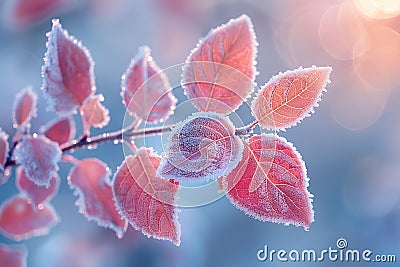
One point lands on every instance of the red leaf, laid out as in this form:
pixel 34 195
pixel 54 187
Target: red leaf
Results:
pixel 20 220
pixel 20 14
pixel 60 130
pixel 219 73
pixel 290 97
pixel 39 156
pixel 4 147
pixel 24 107
pixel 94 113
pixel 90 180
pixel 13 256
pixel 146 91
pixel 270 182
pixel 201 148
pixel 36 194
pixel 146 201
pixel 68 78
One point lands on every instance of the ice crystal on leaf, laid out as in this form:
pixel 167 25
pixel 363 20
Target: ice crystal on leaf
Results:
pixel 68 78
pixel 94 113
pixel 203 147
pixel 146 201
pixel 219 73
pixel 270 182
pixel 36 194
pixel 39 157
pixel 60 130
pixel 146 91
pixel 90 180
pixel 290 97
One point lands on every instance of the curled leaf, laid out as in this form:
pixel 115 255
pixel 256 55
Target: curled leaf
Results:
pixel 290 97
pixel 13 256
pixel 270 182
pixel 94 113
pixel 24 107
pixel 203 147
pixel 20 220
pixel 60 130
pixel 146 91
pixel 219 73
pixel 39 157
pixel 90 180
pixel 147 202
pixel 36 194
pixel 68 78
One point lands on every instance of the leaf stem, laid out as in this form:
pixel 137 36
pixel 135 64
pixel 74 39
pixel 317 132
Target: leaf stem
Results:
pixel 247 129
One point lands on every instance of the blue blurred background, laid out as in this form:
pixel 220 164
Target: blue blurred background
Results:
pixel 351 145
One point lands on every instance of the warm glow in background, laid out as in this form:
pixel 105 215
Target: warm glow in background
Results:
pixel 351 145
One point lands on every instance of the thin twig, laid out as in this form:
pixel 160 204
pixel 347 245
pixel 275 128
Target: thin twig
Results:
pixel 127 135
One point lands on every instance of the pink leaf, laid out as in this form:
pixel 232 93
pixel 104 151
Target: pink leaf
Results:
pixel 219 73
pixel 60 130
pixel 20 14
pixel 68 78
pixel 94 113
pixel 270 182
pixel 146 201
pixel 290 97
pixel 36 194
pixel 201 148
pixel 24 107
pixel 146 91
pixel 20 220
pixel 13 256
pixel 90 180
pixel 39 156
pixel 4 147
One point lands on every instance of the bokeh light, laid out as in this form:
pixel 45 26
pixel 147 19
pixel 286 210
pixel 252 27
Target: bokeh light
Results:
pixel 378 9
pixel 342 33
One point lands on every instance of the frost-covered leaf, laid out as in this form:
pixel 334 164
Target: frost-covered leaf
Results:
pixel 39 157
pixel 290 97
pixel 21 14
pixel 219 73
pixel 146 91
pixel 203 147
pixel 146 201
pixel 60 130
pixel 68 78
pixel 20 220
pixel 36 194
pixel 4 147
pixel 13 256
pixel 270 182
pixel 90 180
pixel 24 107
pixel 94 113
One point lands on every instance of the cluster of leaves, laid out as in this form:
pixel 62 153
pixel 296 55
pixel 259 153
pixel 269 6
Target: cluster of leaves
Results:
pixel 263 175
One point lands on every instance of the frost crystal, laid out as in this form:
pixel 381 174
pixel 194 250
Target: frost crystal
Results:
pixel 68 78
pixel 39 157
pixel 201 148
